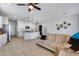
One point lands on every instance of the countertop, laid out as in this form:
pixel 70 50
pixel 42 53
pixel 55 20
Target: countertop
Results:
pixel 2 33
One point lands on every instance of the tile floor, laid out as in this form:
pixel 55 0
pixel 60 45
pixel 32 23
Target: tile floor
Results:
pixel 20 47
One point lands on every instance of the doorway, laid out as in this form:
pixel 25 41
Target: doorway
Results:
pixel 13 28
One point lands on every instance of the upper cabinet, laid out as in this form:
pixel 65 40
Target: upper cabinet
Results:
pixel 0 21
pixel 20 25
pixel 5 20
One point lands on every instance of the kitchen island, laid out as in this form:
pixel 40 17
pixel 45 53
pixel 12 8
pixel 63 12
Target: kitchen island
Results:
pixel 30 35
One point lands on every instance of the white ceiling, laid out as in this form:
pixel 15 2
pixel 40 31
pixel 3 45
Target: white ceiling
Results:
pixel 49 11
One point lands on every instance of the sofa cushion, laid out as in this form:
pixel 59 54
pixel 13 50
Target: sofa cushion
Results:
pixel 51 37
pixel 55 44
pixel 45 44
pixel 61 38
pixel 63 46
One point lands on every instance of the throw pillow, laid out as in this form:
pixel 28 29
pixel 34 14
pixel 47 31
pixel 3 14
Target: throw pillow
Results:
pixel 75 44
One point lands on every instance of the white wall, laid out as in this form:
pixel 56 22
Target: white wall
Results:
pixel 51 24
pixel 74 20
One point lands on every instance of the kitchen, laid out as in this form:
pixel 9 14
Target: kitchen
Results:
pixel 4 30
pixel 22 29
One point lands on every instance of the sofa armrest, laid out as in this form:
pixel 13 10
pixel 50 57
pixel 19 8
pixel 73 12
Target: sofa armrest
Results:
pixel 63 46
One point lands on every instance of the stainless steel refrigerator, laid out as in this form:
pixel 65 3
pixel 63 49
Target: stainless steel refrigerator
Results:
pixel 6 29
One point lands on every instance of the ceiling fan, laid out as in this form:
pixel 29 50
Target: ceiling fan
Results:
pixel 30 6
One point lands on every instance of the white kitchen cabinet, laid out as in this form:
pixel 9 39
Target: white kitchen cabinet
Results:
pixel 3 39
pixel 5 20
pixel 0 40
pixel 20 34
pixel 20 26
pixel 0 21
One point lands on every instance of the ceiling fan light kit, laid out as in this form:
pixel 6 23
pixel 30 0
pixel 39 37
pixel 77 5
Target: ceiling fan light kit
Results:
pixel 31 6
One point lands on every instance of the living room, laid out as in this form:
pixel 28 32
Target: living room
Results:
pixel 42 27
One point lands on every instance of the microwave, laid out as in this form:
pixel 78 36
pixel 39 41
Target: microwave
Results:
pixel 28 28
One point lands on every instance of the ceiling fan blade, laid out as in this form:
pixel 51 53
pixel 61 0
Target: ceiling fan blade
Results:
pixel 36 7
pixel 36 3
pixel 33 3
pixel 21 4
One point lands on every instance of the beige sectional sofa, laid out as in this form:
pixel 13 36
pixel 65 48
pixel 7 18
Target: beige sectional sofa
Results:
pixel 55 43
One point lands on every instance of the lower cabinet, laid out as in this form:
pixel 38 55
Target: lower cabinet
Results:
pixel 0 40
pixel 3 39
pixel 20 34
